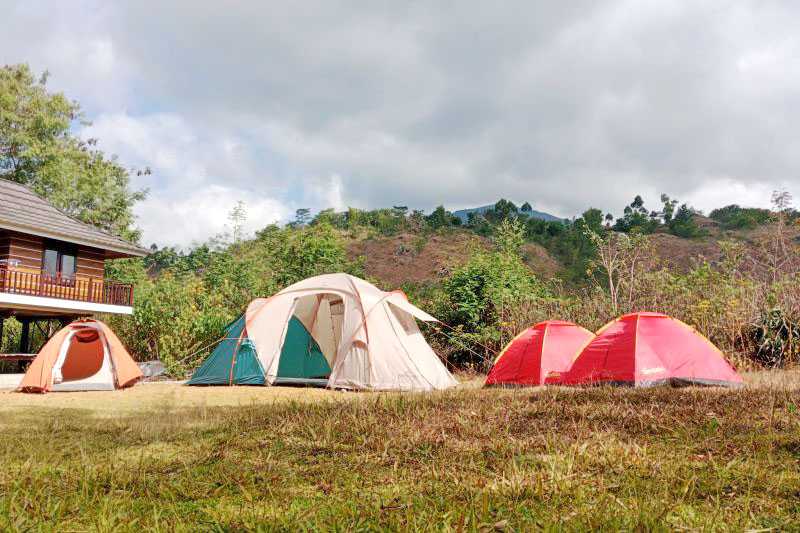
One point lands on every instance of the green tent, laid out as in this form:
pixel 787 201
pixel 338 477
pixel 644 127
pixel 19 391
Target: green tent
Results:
pixel 235 361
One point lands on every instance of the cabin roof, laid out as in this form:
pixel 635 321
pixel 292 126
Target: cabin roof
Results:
pixel 24 211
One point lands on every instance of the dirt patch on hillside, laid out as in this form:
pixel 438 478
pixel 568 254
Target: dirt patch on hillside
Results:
pixel 766 233
pixel 540 261
pixel 682 254
pixel 410 258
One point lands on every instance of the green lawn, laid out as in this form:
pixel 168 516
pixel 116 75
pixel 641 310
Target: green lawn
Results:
pixel 468 459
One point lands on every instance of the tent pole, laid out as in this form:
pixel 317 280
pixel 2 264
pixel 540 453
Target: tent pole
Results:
pixel 235 353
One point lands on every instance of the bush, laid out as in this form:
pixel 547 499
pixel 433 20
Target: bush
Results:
pixel 479 297
pixel 636 218
pixel 776 338
pixel 683 224
pixel 441 218
pixel 736 217
pixel 174 317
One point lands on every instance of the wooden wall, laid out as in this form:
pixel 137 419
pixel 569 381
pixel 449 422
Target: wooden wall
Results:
pixel 91 262
pixel 29 251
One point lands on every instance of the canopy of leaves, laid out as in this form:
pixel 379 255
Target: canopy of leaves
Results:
pixel 38 148
pixel 478 296
pixel 441 218
pixel 637 218
pixel 502 210
pixel 736 217
pixel 568 242
pixel 683 223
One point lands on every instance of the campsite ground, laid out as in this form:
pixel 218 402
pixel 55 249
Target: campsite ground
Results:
pixel 165 456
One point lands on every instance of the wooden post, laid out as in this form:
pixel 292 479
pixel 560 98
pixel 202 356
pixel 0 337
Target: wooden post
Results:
pixel 2 323
pixel 25 337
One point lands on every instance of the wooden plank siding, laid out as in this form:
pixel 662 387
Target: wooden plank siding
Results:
pixel 91 262
pixel 28 250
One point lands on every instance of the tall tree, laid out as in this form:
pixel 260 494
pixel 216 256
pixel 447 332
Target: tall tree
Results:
pixel 238 218
pixel 302 216
pixel 441 218
pixel 683 223
pixel 38 148
pixel 503 210
pixel 668 211
pixel 636 218
pixel 400 210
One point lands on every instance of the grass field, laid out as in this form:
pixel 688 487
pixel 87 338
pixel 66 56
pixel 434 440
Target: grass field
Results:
pixel 170 457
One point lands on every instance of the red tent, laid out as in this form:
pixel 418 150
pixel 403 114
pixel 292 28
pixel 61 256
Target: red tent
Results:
pixel 644 349
pixel 536 352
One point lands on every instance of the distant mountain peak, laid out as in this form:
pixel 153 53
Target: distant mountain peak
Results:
pixel 463 214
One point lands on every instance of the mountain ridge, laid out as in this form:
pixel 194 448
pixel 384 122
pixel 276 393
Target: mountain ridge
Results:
pixel 463 214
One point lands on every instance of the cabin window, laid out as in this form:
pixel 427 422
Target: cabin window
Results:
pixel 60 261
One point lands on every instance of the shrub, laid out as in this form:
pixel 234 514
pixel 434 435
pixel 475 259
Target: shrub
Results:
pixel 480 296
pixel 776 338
pixel 736 217
pixel 683 224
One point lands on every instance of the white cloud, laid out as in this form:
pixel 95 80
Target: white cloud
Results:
pixel 326 193
pixel 714 193
pixel 73 42
pixel 196 179
pixel 314 104
pixel 202 214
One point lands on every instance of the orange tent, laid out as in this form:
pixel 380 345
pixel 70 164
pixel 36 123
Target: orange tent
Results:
pixel 541 350
pixel 85 355
pixel 645 349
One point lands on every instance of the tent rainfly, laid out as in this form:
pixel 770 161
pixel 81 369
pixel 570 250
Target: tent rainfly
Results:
pixel 85 355
pixel 333 330
pixel 646 349
pixel 541 352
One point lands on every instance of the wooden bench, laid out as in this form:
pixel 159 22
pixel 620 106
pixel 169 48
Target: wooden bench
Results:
pixel 17 356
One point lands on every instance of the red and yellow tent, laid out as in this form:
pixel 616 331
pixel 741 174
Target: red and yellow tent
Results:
pixel 544 349
pixel 85 355
pixel 645 349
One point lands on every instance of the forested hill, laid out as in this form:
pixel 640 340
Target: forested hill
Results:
pixel 525 209
pixel 733 275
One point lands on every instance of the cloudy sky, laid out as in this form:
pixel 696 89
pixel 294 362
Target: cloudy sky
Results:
pixel 369 104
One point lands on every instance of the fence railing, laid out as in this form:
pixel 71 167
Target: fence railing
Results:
pixel 76 288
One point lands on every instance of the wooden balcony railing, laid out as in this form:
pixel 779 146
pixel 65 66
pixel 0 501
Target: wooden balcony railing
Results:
pixel 75 288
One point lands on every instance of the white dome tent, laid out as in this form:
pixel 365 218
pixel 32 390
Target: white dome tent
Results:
pixel 368 337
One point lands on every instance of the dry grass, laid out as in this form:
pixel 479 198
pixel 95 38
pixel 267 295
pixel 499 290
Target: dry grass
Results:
pixel 174 396
pixel 774 379
pixel 277 459
pixel 159 396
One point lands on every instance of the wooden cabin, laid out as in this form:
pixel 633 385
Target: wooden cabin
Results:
pixel 52 266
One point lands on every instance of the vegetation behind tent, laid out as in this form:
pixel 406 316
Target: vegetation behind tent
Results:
pixel 746 299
